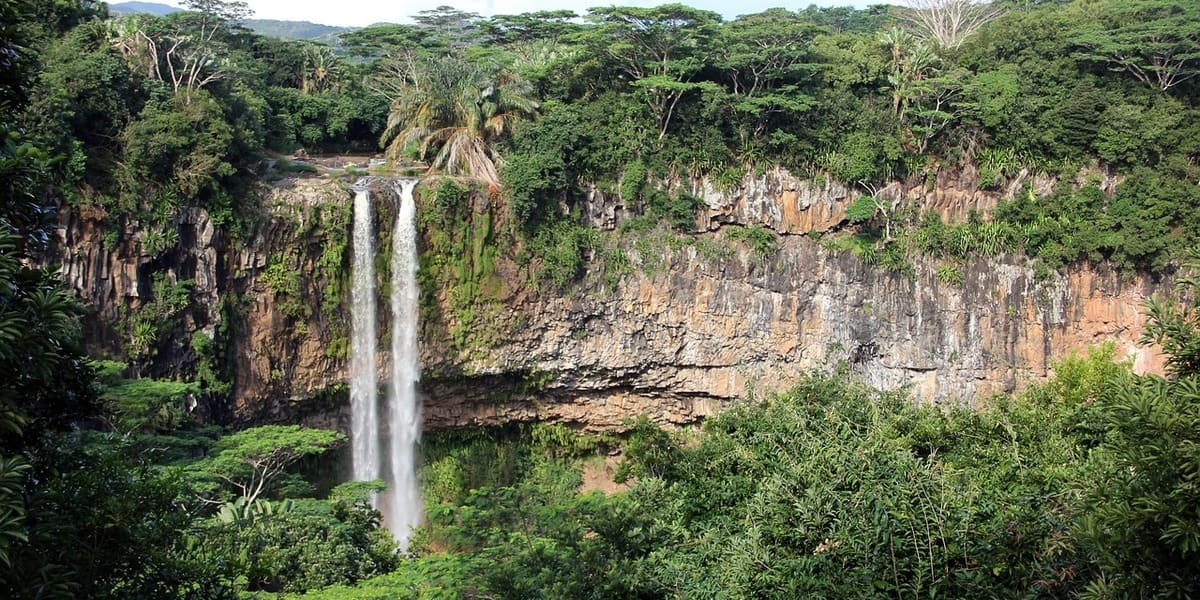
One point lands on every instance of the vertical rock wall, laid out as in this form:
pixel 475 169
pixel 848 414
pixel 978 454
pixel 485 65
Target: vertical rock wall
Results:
pixel 676 339
pixel 679 343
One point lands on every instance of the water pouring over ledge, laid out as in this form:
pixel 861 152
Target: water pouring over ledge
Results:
pixel 401 503
pixel 364 389
pixel 404 414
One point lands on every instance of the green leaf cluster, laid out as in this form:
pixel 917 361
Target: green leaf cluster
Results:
pixel 311 545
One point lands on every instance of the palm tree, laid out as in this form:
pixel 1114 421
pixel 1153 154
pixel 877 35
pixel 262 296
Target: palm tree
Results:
pixel 322 69
pixel 455 110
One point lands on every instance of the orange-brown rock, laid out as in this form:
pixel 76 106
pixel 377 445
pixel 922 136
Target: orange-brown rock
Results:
pixel 676 339
pixel 681 342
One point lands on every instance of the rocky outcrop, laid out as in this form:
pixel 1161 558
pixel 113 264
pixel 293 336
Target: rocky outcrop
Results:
pixel 788 204
pixel 681 342
pixel 677 338
pixel 290 364
pixel 104 260
pixel 276 361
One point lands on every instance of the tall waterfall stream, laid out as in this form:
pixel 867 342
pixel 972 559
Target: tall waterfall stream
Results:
pixel 364 388
pixel 404 416
pixel 401 502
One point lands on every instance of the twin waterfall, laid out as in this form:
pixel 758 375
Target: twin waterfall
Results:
pixel 401 502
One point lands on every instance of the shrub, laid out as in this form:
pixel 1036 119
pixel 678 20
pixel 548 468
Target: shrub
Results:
pixel 760 240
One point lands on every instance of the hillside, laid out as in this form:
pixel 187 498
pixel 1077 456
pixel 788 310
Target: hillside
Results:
pixel 286 30
pixel 295 30
pixel 154 8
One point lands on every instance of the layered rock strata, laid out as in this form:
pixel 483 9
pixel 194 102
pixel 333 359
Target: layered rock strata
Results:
pixel 676 339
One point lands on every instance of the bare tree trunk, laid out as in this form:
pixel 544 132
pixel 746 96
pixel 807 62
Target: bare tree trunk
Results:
pixel 948 22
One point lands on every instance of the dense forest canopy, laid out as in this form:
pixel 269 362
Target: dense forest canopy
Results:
pixel 1085 486
pixel 155 113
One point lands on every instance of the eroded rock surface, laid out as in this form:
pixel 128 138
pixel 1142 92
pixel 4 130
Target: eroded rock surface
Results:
pixel 679 343
pixel 675 340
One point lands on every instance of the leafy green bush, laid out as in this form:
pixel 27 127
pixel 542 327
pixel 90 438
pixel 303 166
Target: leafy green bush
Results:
pixel 678 210
pixel 506 502
pixel 327 122
pixel 862 157
pixel 974 238
pixel 633 182
pixel 950 274
pixel 833 485
pixel 861 210
pixel 144 405
pixel 759 239
pixel 1137 518
pixel 313 545
pixel 105 522
pixel 447 204
pixel 283 279
pixel 149 325
pixel 1142 226
pixel 431 577
pixel 185 146
pixel 562 251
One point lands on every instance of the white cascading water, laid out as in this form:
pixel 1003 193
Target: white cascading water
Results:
pixel 403 512
pixel 364 389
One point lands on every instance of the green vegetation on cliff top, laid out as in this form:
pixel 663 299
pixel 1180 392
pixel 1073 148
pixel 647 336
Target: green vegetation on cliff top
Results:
pixel 638 100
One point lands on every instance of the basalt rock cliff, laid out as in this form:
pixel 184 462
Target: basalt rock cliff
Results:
pixel 687 328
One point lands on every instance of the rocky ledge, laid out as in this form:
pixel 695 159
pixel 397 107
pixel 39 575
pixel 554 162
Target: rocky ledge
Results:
pixel 676 339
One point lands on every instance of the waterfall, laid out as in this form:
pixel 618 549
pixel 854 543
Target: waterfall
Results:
pixel 364 411
pixel 401 503
pixel 403 512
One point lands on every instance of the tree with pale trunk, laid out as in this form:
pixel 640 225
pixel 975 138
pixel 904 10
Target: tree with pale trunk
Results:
pixel 948 23
pixel 187 56
pixel 253 460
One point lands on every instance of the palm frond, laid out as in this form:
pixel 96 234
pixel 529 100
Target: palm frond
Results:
pixel 456 109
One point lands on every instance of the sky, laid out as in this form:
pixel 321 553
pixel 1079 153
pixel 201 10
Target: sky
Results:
pixel 358 13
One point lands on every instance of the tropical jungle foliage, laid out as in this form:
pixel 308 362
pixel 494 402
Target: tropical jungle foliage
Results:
pixel 151 115
pixel 1077 488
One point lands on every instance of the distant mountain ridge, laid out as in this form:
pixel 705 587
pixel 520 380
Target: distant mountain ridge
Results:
pixel 295 30
pixel 288 30
pixel 154 8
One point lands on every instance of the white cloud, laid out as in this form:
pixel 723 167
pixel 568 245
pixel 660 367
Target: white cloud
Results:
pixel 365 12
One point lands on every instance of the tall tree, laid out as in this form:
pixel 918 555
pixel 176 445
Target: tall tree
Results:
pixel 1156 41
pixel 948 23
pixel 44 379
pixel 455 28
pixel 1138 516
pixel 322 70
pixel 541 26
pixel 765 50
pixel 923 91
pixel 660 50
pixel 387 40
pixel 251 461
pixel 184 49
pixel 453 111
pixel 766 59
pixel 220 12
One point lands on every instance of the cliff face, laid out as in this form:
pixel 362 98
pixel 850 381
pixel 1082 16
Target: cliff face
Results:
pixel 691 328
pixel 679 343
